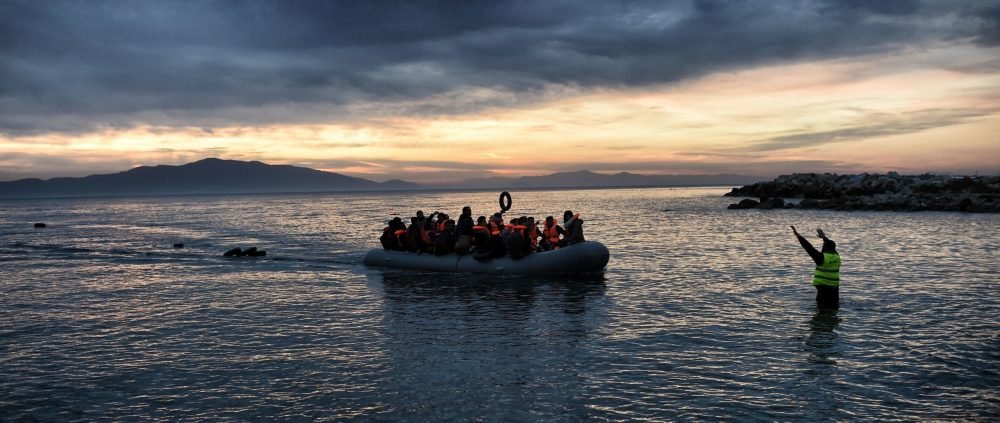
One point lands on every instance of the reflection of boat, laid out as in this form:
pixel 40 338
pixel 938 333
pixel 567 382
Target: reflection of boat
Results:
pixel 584 257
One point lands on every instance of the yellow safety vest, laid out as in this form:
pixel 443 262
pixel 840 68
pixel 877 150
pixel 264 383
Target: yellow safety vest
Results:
pixel 829 273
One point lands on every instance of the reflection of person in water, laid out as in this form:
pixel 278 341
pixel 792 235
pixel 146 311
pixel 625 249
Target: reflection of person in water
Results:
pixel 822 340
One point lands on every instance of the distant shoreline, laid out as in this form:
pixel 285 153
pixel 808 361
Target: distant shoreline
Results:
pixel 354 192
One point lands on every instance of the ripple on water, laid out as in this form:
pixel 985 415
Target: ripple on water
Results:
pixel 703 314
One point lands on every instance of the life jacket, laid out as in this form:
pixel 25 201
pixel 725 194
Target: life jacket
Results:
pixel 402 239
pixel 829 273
pixel 494 227
pixel 532 234
pixel 520 229
pixel 425 235
pixel 483 229
pixel 551 233
pixel 441 226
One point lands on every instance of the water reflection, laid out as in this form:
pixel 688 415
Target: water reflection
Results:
pixel 571 292
pixel 822 341
pixel 460 343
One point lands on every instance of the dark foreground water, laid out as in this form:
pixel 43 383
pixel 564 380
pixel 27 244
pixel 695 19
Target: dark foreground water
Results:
pixel 703 314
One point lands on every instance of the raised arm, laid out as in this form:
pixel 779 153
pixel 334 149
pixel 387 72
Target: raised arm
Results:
pixel 815 254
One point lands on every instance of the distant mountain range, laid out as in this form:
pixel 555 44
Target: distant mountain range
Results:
pixel 588 179
pixel 216 176
pixel 208 176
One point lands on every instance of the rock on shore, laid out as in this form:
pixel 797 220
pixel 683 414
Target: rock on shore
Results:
pixel 867 191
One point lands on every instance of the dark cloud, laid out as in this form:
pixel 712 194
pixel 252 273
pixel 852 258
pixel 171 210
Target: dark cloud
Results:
pixel 72 66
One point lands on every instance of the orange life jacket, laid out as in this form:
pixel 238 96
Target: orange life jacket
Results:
pixel 441 226
pixel 482 229
pixel 533 235
pixel 494 228
pixel 551 233
pixel 425 234
pixel 400 236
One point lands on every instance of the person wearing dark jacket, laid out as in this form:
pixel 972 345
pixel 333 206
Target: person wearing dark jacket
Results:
pixel 573 226
pixel 414 234
pixel 444 243
pixel 826 278
pixel 389 239
pixel 464 231
pixel 513 242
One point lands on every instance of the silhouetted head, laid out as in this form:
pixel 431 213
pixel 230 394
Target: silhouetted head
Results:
pixel 420 214
pixel 829 246
pixel 467 211
pixel 568 214
pixel 549 220
pixel 481 221
pixel 414 220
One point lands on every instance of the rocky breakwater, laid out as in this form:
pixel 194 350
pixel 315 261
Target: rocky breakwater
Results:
pixel 866 191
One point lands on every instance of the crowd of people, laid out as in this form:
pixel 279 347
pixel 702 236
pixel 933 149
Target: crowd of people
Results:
pixel 483 238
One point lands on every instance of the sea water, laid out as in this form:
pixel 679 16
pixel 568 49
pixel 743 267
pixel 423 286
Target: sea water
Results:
pixel 703 313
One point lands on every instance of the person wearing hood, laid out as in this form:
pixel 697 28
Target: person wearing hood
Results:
pixel 573 227
pixel 826 278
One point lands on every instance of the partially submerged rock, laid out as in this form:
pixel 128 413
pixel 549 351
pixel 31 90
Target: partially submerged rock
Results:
pixel 249 252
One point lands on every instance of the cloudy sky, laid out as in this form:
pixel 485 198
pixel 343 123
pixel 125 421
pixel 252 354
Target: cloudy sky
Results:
pixel 438 91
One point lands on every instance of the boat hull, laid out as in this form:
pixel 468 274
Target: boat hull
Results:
pixel 585 257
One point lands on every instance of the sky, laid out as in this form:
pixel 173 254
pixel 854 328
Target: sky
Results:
pixel 438 91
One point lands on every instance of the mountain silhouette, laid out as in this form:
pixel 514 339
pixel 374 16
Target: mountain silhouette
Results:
pixel 208 176
pixel 588 179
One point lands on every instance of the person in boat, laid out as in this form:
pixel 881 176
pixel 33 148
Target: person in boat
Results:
pixel 403 239
pixel 495 224
pixel 513 240
pixel 464 231
pixel 481 236
pixel 414 234
pixel 572 228
pixel 428 231
pixel 531 234
pixel 444 243
pixel 550 234
pixel 826 278
pixel 439 224
pixel 496 247
pixel 389 238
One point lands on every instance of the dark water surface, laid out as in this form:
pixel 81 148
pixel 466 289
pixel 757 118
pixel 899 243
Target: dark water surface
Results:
pixel 703 314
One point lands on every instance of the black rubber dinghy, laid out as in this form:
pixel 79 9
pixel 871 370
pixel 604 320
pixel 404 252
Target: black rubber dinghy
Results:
pixel 585 257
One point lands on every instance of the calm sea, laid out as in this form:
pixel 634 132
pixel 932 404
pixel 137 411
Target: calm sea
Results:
pixel 702 314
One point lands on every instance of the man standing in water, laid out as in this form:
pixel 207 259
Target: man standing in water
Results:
pixel 827 276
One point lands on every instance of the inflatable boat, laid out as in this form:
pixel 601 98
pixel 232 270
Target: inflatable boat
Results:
pixel 585 257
